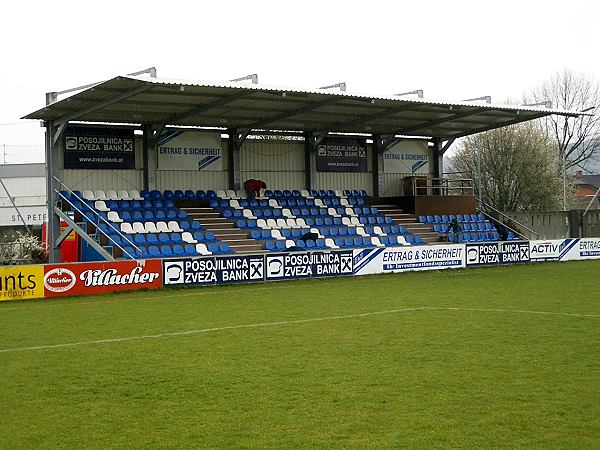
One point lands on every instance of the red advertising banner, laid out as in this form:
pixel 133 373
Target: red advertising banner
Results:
pixel 101 277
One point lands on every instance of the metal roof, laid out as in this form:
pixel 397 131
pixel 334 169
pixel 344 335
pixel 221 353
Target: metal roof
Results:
pixel 141 100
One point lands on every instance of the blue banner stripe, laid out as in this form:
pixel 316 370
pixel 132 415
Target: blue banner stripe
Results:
pixel 207 161
pixel 368 259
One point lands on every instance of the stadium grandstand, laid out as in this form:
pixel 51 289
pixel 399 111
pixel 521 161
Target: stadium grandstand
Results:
pixel 144 167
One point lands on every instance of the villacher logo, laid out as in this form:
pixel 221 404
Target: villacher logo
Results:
pixel 59 280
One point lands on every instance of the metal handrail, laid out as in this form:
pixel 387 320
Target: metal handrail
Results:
pixel 482 203
pixel 443 185
pixel 111 225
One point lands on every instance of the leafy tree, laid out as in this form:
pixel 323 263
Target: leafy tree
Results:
pixel 519 167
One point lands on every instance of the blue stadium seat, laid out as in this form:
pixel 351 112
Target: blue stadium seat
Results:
pixel 190 250
pixel 280 245
pixel 165 250
pixel 270 245
pixel 178 250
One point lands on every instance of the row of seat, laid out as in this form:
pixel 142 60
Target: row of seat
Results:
pixel 475 226
pixel 342 242
pixel 176 250
pixel 447 218
pixel 283 203
pixel 163 238
pixel 322 193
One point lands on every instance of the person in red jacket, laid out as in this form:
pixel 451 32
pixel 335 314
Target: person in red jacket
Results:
pixel 253 187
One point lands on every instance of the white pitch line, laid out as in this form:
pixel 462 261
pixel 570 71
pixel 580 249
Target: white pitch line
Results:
pixel 292 322
pixel 515 311
pixel 207 330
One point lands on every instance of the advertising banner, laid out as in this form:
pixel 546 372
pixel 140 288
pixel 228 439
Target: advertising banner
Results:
pixel 285 266
pixel 213 270
pixel 587 248
pixel 554 250
pixel 342 155
pixel 190 150
pixel 401 259
pixel 21 282
pixel 101 277
pixel 407 157
pixel 493 253
pixel 99 148
pixel 32 215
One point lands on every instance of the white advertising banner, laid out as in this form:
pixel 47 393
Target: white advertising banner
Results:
pixel 407 157
pixel 33 215
pixel 402 259
pixel 565 249
pixel 190 150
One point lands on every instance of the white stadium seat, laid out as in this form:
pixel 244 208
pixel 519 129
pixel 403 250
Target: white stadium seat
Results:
pixel 231 194
pixel 138 227
pixel 344 202
pixel 333 212
pixel 162 227
pixel 277 234
pixel 281 223
pixel 100 195
pixel 123 195
pixel 174 226
pixel 88 195
pixel 112 195
pixel 350 212
pixel 305 193
pixel 262 223
pixel 378 231
pixel 150 227
pixel 273 203
pixel 127 228
pixel 339 193
pixel 346 221
pixel 355 222
pixel 329 243
pixel 235 204
pixel 187 237
pixel 376 242
pixel 361 231
pixel 100 205
pixel 271 223
pixel 135 195
pixel 113 216
pixel 222 194
pixel 403 241
pixel 286 212
pixel 319 202
pixel 289 243
pixel 202 249
pixel 301 223
pixel 291 223
pixel 247 213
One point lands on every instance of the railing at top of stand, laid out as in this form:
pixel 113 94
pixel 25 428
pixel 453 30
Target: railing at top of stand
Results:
pixel 98 219
pixel 442 186
pixel 483 205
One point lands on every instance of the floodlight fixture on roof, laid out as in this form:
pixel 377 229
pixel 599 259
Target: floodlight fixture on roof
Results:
pixel 253 77
pixel 52 97
pixel 487 98
pixel 341 86
pixel 417 92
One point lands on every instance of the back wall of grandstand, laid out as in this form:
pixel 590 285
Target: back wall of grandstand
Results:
pixel 279 161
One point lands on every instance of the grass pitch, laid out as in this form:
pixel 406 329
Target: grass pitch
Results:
pixel 491 357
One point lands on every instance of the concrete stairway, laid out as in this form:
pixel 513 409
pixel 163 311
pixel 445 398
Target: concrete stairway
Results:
pixel 410 221
pixel 224 229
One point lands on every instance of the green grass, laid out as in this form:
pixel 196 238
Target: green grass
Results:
pixel 426 378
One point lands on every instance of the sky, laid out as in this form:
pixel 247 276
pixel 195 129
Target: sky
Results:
pixel 452 50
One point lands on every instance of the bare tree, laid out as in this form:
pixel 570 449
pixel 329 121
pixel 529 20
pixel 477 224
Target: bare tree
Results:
pixel 516 167
pixel 577 138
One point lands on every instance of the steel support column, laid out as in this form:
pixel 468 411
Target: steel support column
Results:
pixel 149 157
pixel 437 158
pixel 311 142
pixel 378 169
pixel 53 226
pixel 236 139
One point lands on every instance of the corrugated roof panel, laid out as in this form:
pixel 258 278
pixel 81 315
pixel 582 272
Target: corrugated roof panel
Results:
pixel 239 105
